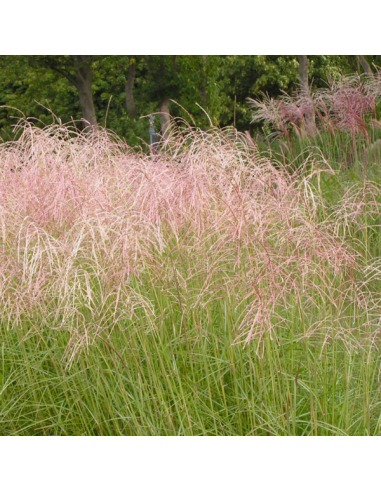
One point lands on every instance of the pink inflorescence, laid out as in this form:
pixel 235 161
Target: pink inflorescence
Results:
pixel 90 230
pixel 344 105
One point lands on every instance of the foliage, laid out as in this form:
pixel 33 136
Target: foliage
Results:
pixel 29 84
pixel 207 289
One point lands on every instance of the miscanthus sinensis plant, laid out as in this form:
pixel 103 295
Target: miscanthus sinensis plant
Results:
pixel 205 289
pixel 341 120
pixel 343 105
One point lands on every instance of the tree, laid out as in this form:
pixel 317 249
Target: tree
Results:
pixel 241 76
pixel 365 65
pixel 303 74
pixel 164 103
pixel 114 89
pixel 77 69
pixel 203 89
pixel 82 81
pixel 130 102
pixel 163 71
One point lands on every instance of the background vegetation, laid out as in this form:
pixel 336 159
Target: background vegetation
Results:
pixel 41 85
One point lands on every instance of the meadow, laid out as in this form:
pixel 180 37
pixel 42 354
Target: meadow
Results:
pixel 223 285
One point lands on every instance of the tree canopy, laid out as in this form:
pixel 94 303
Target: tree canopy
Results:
pixel 116 91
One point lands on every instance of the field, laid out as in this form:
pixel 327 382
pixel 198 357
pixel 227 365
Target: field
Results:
pixel 221 286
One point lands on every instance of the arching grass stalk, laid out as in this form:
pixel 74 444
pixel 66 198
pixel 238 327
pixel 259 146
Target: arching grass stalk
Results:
pixel 212 291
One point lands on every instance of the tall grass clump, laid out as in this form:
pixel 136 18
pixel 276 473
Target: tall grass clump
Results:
pixel 203 290
pixel 341 120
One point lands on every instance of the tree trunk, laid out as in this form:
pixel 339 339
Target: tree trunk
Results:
pixel 165 117
pixel 131 110
pixel 365 65
pixel 303 74
pixel 83 80
pixel 203 91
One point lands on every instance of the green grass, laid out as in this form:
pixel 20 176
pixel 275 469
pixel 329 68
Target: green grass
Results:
pixel 137 383
pixel 180 369
pixel 188 377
